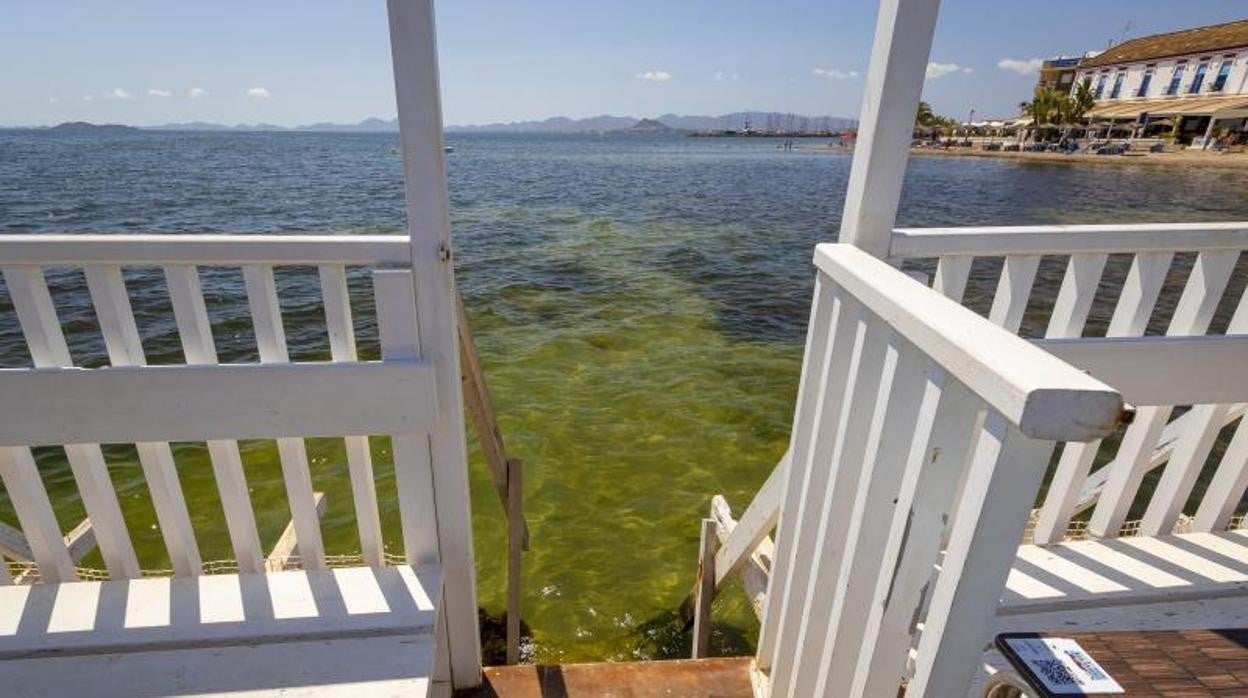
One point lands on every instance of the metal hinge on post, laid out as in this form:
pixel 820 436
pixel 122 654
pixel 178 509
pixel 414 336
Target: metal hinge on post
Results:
pixel 444 252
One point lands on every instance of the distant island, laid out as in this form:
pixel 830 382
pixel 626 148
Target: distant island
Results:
pixel 736 123
pixel 85 127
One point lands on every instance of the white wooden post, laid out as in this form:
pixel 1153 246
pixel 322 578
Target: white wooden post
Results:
pixel 899 55
pixel 414 52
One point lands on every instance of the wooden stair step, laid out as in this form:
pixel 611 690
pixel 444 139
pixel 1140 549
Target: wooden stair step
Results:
pixel 727 677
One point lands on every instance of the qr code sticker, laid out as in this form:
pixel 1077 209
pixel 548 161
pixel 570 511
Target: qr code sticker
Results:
pixel 1055 673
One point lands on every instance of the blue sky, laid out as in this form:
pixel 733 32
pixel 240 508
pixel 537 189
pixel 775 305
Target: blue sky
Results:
pixel 287 62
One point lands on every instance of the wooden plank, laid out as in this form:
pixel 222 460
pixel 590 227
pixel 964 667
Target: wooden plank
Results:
pixel 121 339
pixel 755 573
pixel 951 276
pixel 1074 298
pixel 1013 291
pixel 196 402
pixel 1095 482
pixel 1192 316
pixel 1165 370
pixel 705 587
pixel 413 44
pixel 1088 574
pixel 220 250
pixel 899 54
pixel 835 387
pixel 900 429
pixel 853 436
pixel 1004 475
pixel 481 408
pixel 400 338
pixel 1047 398
pixel 1226 489
pixel 287 545
pixel 756 524
pixel 78 542
pixel 1069 239
pixel 515 546
pixel 925 500
pixel 266 315
pixel 37 315
pixel 341 331
pixel 227 464
pixel 34 513
pixel 164 613
pixel 387 665
pixel 825 322
pixel 1185 465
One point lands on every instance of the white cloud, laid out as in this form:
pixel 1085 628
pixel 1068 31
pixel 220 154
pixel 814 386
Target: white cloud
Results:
pixel 940 70
pixel 117 93
pixel 1022 66
pixel 655 76
pixel 834 73
pixel 196 92
pixel 721 76
pixel 159 93
pixel 52 100
pixel 259 93
pixel 87 98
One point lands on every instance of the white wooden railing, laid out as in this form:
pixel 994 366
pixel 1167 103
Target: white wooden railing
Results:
pixel 403 396
pixel 1155 373
pixel 900 388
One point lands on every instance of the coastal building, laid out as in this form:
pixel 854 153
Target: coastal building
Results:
pixel 1193 82
pixel 1059 73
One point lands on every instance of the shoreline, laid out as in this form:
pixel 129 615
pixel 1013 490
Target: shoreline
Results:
pixel 1233 161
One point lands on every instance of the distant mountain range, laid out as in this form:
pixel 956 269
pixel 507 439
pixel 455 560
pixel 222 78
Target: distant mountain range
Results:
pixel 557 124
pixel 676 122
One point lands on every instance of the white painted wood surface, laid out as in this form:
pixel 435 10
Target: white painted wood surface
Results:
pixel 952 274
pixel 191 316
pixel 34 513
pixel 755 524
pixel 894 83
pixel 1192 316
pixel 339 325
pixel 704 589
pixel 1068 239
pixel 825 324
pixel 196 402
pixel 37 315
pixel 125 348
pixel 204 250
pixel 413 45
pixel 266 315
pixel 1005 370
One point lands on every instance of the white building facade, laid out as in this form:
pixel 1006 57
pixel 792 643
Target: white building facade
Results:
pixel 1194 82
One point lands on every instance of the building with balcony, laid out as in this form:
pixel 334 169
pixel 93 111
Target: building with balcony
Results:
pixel 1194 82
pixel 1058 73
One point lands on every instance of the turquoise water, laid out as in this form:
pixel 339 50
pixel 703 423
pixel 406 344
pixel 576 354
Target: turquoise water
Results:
pixel 639 303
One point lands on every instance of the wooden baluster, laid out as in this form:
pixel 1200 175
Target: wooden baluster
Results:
pixel 825 311
pixel 952 273
pixel 399 333
pixel 227 464
pixel 1001 485
pixel 1192 316
pixel 915 533
pixel 1014 290
pixel 359 458
pixel 1226 489
pixel 34 513
pixel 121 339
pixel 266 315
pixel 829 504
pixel 898 422
pixel 1192 450
pixel 37 315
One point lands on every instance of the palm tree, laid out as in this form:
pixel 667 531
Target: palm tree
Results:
pixel 925 115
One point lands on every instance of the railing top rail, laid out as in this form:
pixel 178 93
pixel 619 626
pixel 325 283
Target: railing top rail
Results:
pixel 218 249
pixel 1068 239
pixel 1044 396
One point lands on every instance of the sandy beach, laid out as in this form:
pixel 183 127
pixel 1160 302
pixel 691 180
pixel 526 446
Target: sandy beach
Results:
pixel 1194 158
